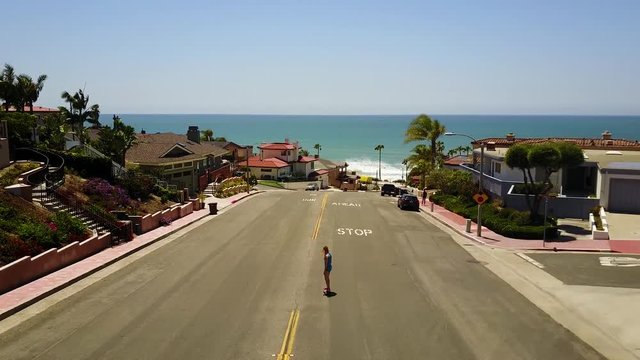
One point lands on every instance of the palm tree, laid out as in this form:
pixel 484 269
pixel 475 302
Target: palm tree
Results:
pixel 420 160
pixel 8 86
pixel 379 148
pixel 452 152
pixel 423 128
pixel 77 113
pixel 207 135
pixel 318 147
pixel 28 91
pixel 467 149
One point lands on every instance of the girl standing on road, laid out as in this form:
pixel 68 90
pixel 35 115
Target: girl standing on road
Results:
pixel 327 268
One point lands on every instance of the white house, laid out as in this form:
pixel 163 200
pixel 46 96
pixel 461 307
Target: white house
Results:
pixel 610 172
pixel 281 159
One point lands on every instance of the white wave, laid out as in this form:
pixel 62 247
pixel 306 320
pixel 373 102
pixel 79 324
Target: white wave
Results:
pixel 369 167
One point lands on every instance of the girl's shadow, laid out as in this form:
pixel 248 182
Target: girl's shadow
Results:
pixel 330 294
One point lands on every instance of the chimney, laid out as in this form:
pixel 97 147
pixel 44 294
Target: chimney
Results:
pixel 193 134
pixel 491 146
pixel 510 137
pixel 142 132
pixel 315 156
pixel 606 135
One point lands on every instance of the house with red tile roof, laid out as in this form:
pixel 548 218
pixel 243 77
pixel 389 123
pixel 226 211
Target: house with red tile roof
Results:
pixel 281 160
pixel 609 176
pixel 180 160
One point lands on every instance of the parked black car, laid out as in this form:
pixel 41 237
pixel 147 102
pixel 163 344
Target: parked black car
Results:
pixel 408 201
pixel 388 189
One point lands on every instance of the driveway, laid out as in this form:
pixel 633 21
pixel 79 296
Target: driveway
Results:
pixel 624 226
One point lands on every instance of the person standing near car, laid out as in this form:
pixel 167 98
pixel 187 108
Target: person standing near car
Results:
pixel 328 265
pixel 424 196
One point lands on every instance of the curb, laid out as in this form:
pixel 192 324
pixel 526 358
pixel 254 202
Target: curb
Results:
pixel 472 238
pixel 73 280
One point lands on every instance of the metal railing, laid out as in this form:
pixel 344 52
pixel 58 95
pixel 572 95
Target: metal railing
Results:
pixel 119 231
pixel 52 176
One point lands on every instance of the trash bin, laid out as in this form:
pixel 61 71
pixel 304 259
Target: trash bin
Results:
pixel 137 228
pixel 213 208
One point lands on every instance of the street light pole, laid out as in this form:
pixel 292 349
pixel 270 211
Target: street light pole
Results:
pixel 479 220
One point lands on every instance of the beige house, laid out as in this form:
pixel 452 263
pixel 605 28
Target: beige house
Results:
pixel 180 160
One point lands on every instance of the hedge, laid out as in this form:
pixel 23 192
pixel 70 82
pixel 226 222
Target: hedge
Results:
pixel 504 221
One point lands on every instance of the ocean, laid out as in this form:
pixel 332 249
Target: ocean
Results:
pixel 352 138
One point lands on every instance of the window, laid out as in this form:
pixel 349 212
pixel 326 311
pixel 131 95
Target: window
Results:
pixel 497 167
pixel 176 166
pixel 283 153
pixel 265 170
pixel 168 167
pixel 187 164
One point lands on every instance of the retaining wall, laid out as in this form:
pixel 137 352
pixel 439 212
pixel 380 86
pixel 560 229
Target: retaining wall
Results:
pixel 29 268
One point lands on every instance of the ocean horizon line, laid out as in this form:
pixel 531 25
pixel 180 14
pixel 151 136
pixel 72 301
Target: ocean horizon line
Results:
pixel 431 115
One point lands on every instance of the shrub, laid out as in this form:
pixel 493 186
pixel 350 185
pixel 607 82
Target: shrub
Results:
pixel 108 196
pixel 535 188
pixel 13 248
pixel 451 182
pixel 165 221
pixel 11 174
pixel 38 233
pixel 505 221
pixel 138 186
pixel 68 227
pixel 87 166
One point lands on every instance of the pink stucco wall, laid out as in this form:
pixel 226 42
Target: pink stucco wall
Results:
pixel 152 221
pixel 28 268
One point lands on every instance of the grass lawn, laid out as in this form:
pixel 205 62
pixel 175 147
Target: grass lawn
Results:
pixel 271 183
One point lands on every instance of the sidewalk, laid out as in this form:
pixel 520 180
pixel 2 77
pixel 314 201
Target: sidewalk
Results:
pixel 18 299
pixel 490 238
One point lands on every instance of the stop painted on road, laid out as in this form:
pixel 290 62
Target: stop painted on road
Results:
pixel 356 232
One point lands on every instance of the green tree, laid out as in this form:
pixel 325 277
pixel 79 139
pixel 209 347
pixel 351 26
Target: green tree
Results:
pixel 8 91
pixel 420 162
pixel 318 147
pixel 52 132
pixel 424 128
pixel 379 148
pixel 28 91
pixel 116 141
pixel 548 157
pixel 206 135
pixel 77 113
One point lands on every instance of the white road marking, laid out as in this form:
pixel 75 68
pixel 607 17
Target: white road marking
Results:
pixel 357 232
pixel 308 199
pixel 619 261
pixel 530 260
pixel 345 204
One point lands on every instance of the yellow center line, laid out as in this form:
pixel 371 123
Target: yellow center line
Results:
pixel 289 336
pixel 317 227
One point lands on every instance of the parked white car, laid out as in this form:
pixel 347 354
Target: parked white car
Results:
pixel 312 187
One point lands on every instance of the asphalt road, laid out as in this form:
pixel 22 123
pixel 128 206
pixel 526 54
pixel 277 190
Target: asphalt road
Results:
pixel 248 285
pixel 592 269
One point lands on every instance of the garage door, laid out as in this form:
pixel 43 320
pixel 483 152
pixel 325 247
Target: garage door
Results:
pixel 624 195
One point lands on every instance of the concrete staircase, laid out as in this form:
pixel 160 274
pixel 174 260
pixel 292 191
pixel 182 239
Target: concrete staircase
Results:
pixel 55 205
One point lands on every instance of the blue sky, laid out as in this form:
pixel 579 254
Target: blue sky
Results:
pixel 332 56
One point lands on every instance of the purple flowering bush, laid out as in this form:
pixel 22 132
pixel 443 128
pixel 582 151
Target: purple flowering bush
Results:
pixel 105 195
